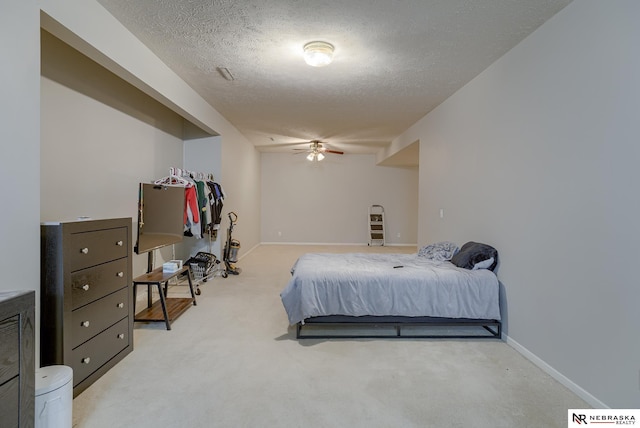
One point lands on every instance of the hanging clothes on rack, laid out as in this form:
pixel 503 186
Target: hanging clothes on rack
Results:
pixel 216 202
pixel 191 222
pixel 193 216
pixel 191 213
pixel 203 204
pixel 203 201
pixel 177 177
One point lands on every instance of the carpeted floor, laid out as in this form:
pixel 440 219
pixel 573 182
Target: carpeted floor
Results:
pixel 232 361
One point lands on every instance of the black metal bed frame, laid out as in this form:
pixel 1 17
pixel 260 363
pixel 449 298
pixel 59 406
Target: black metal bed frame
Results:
pixel 493 327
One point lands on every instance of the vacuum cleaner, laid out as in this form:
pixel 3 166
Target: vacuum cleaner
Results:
pixel 231 248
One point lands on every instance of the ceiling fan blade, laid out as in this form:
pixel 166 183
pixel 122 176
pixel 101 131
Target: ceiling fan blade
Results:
pixel 333 151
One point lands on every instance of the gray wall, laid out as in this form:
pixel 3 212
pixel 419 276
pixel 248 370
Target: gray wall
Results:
pixel 328 201
pixel 539 156
pixel 96 145
pixel 20 144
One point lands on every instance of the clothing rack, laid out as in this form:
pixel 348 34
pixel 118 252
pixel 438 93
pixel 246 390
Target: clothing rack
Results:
pixel 196 175
pixel 177 177
pixel 203 201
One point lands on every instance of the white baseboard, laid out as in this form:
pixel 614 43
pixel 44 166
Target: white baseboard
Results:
pixel 245 253
pixel 576 389
pixel 361 244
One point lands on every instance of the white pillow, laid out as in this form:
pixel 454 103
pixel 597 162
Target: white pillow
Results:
pixel 485 264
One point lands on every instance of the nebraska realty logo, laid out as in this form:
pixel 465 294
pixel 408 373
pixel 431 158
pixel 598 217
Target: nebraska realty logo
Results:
pixel 600 417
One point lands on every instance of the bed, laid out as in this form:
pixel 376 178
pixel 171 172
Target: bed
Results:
pixel 445 290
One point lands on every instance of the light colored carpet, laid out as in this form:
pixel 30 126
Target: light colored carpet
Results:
pixel 233 361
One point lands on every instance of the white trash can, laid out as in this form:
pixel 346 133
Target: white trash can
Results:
pixel 54 397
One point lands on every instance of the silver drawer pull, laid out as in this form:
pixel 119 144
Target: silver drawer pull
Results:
pixel 85 323
pixel 85 250
pixel 119 243
pixel 120 305
pixel 85 287
pixel 86 360
pixel 121 336
pixel 120 274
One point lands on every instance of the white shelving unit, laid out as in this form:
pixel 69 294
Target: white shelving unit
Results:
pixel 376 225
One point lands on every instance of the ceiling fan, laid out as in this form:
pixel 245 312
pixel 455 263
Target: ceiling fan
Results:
pixel 317 150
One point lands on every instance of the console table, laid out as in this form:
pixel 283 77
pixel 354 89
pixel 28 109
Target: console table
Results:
pixel 165 309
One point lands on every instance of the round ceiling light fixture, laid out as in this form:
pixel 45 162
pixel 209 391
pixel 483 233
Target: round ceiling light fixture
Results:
pixel 318 54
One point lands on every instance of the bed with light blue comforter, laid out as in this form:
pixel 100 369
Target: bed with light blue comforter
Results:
pixel 361 284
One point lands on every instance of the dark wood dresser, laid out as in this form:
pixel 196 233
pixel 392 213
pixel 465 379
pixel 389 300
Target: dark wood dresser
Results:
pixel 86 297
pixel 17 358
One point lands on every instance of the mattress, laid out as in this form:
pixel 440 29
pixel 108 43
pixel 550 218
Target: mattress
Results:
pixel 361 284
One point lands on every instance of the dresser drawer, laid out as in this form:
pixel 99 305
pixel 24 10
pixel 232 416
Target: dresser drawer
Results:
pixel 96 247
pixel 10 403
pixel 95 317
pixel 90 356
pixel 10 349
pixel 93 283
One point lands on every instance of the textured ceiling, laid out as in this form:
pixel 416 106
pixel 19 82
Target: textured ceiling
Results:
pixel 395 60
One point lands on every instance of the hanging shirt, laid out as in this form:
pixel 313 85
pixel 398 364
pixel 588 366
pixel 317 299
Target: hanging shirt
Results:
pixel 191 213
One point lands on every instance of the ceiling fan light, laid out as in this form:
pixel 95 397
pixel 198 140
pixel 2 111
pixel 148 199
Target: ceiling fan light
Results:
pixel 320 156
pixel 310 156
pixel 318 54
